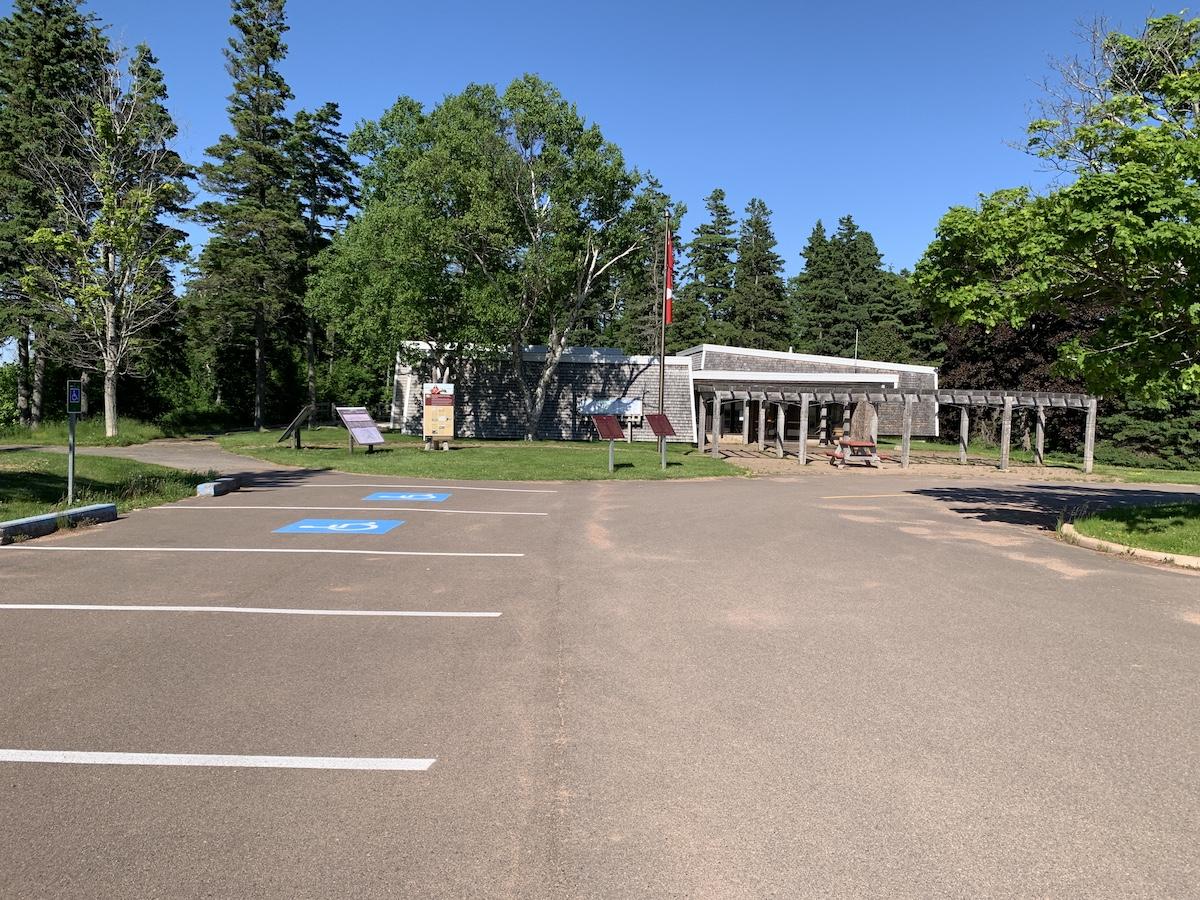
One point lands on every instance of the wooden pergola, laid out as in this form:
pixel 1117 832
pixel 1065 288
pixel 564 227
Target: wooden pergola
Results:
pixel 1007 401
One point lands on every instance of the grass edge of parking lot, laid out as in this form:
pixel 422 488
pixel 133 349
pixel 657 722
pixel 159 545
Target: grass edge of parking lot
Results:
pixel 33 482
pixel 1171 528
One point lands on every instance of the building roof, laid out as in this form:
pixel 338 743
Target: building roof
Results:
pixel 808 357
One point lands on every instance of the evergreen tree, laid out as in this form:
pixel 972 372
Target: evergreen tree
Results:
pixel 814 293
pixel 323 180
pixel 846 298
pixel 51 54
pixel 702 301
pixel 758 312
pixel 638 282
pixel 247 278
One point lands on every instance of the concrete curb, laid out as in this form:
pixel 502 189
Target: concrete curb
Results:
pixel 220 487
pixel 48 523
pixel 1072 536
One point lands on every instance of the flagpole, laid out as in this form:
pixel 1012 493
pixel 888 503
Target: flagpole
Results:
pixel 662 316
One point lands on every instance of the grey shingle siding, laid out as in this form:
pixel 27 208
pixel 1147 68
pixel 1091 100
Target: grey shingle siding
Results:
pixel 488 401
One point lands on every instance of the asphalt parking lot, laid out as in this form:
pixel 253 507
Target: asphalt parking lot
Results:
pixel 885 686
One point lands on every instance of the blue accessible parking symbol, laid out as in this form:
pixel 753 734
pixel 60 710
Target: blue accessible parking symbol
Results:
pixel 340 526
pixel 408 497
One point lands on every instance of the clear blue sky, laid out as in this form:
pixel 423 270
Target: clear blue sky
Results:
pixel 889 111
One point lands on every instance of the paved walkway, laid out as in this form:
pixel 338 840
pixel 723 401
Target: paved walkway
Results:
pixel 192 455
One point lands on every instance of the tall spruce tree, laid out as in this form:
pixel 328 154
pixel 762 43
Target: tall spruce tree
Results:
pixel 324 183
pixel 845 299
pixel 703 298
pixel 814 293
pixel 51 54
pixel 247 278
pixel 638 282
pixel 759 314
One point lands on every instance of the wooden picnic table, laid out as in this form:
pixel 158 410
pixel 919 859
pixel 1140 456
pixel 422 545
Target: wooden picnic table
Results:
pixel 865 452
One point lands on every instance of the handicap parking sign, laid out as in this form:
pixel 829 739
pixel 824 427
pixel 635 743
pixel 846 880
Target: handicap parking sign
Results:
pixel 411 497
pixel 340 526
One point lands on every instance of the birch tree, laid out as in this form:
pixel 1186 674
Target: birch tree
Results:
pixel 101 271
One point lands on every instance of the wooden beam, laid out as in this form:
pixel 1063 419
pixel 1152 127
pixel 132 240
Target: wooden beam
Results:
pixel 1005 433
pixel 1039 443
pixel 745 422
pixel 1089 437
pixel 802 450
pixel 780 428
pixel 964 433
pixel 716 428
pixel 701 424
pixel 762 425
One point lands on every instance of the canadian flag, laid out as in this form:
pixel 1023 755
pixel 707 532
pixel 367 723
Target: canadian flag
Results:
pixel 670 277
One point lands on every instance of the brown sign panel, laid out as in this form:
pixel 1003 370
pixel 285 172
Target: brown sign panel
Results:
pixel 360 425
pixel 609 428
pixel 439 410
pixel 660 425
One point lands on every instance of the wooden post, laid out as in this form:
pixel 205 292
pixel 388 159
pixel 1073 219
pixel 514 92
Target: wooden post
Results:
pixel 762 425
pixel 964 433
pixel 746 422
pixel 846 421
pixel 716 428
pixel 780 428
pixel 802 450
pixel 701 424
pixel 1005 433
pixel 1089 437
pixel 906 435
pixel 823 426
pixel 1039 443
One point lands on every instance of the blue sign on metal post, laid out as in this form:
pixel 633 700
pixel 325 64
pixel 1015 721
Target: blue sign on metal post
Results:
pixel 410 497
pixel 340 526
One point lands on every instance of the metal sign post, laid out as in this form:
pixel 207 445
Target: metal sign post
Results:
pixel 662 428
pixel 609 428
pixel 74 405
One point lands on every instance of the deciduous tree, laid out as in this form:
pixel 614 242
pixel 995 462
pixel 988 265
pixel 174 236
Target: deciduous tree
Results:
pixel 1120 243
pixel 101 270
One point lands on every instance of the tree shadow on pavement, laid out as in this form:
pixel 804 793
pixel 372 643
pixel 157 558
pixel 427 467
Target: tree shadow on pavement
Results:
pixel 1044 506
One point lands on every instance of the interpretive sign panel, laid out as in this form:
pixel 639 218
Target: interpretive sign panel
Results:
pixel 612 406
pixel 360 425
pixel 439 410
pixel 294 427
pixel 609 428
pixel 660 425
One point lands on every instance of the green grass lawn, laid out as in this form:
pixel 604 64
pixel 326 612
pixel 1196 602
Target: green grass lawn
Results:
pixel 325 448
pixel 33 482
pixel 89 432
pixel 1169 528
pixel 1018 457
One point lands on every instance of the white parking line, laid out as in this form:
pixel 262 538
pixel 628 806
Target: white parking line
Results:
pixel 423 509
pixel 271 610
pixel 90 758
pixel 16 548
pixel 411 487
